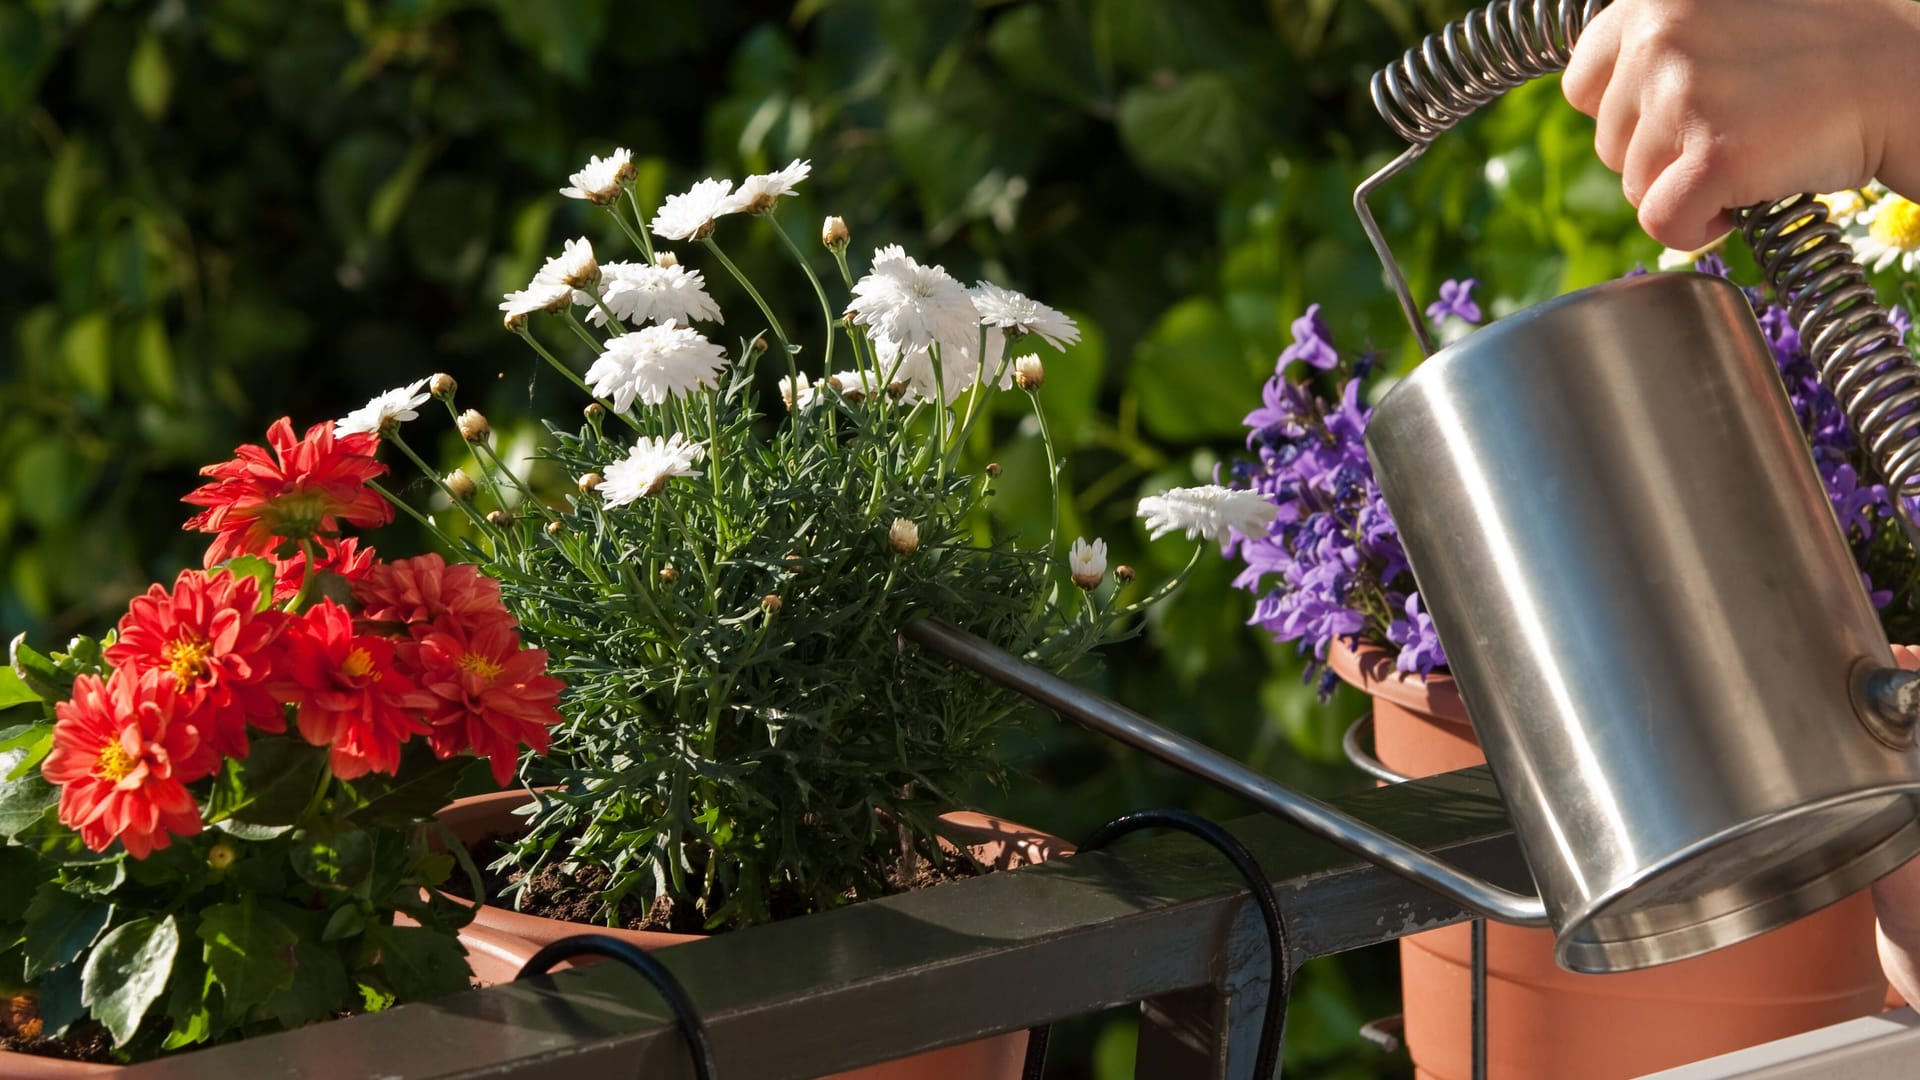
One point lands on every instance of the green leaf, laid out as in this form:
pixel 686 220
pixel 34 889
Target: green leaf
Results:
pixel 128 972
pixel 38 672
pixel 319 989
pixel 422 786
pixel 32 748
pixel 1196 133
pixel 256 568
pixel 188 1008
pixel 86 349
pixel 59 1002
pixel 562 34
pixel 23 801
pixel 20 877
pixel 13 692
pixel 420 964
pixel 1190 374
pixel 241 830
pixel 288 772
pixel 29 41
pixel 335 859
pixel 60 926
pixel 347 921
pixel 249 952
pixel 149 77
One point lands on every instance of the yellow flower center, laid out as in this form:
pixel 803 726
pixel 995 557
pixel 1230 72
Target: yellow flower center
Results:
pixel 114 763
pixel 481 666
pixel 187 658
pixel 358 664
pixel 1896 223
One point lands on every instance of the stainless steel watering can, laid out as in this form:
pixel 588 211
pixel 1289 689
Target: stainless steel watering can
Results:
pixel 1648 605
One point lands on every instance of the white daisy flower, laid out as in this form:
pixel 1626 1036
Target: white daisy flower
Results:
pixel 912 306
pixel 1892 234
pixel 602 179
pixel 760 191
pixel 648 466
pixel 1671 259
pixel 689 215
pixel 535 298
pixel 1028 372
pixel 384 414
pixel 1022 315
pixel 798 391
pixel 915 370
pixel 643 292
pixel 1844 207
pixel 653 364
pixel 1087 562
pixel 852 385
pixel 1209 510
pixel 573 266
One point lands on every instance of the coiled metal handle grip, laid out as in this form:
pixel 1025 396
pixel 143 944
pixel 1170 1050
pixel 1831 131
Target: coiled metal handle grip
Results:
pixel 1858 351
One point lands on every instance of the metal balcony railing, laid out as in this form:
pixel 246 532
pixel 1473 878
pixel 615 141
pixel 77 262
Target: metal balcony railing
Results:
pixel 1160 920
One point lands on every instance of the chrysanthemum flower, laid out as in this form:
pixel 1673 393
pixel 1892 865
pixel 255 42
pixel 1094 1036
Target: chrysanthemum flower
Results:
pixel 123 758
pixel 602 178
pixel 653 364
pixel 487 694
pixel 1028 372
pixel 345 557
pixel 303 489
pixel 347 693
pixel 643 292
pixel 689 215
pixel 915 371
pixel 760 191
pixel 1892 234
pixel 534 299
pixel 209 638
pixel 384 414
pixel 1845 207
pixel 414 592
pixel 647 468
pixel 1087 563
pixel 797 391
pixel 1210 510
pixel 1021 315
pixel 909 306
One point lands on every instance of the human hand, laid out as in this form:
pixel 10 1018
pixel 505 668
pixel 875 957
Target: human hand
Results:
pixel 1705 106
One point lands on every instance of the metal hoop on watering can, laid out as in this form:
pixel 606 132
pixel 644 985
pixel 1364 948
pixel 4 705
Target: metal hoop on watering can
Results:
pixel 1851 337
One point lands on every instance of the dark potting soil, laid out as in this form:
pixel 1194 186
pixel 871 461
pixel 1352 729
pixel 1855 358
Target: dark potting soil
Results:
pixel 20 1033
pixel 554 894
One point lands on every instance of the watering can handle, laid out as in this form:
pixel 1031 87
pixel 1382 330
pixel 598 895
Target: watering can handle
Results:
pixel 1218 769
pixel 1861 356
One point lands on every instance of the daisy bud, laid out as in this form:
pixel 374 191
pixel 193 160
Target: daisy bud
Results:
pixel 792 563
pixel 442 386
pixel 593 412
pixel 1123 573
pixel 499 519
pixel 460 485
pixel 473 426
pixel 993 469
pixel 903 536
pixel 833 233
pixel 1029 373
pixel 668 575
pixel 770 604
pixel 589 482
pixel 514 321
pixel 221 855
pixel 896 390
pixel 575 265
pixel 1087 562
pixel 666 260
pixel 555 528
pixel 759 345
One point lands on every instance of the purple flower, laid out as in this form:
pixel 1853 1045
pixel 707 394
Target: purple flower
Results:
pixel 1456 298
pixel 1310 342
pixel 1711 263
pixel 1879 597
pixel 1902 320
pixel 1419 645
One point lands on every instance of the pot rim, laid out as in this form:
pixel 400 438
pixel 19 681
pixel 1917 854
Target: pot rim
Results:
pixel 1369 668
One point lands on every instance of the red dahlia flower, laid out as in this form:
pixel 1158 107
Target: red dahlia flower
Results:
pixel 303 489
pixel 419 590
pixel 347 693
pixel 488 693
pixel 344 557
pixel 214 647
pixel 123 758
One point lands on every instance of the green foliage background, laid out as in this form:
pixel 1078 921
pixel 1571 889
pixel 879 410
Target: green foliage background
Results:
pixel 216 212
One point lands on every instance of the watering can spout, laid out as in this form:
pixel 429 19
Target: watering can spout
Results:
pixel 1127 726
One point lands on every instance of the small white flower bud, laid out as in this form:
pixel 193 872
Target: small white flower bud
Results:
pixel 555 528
pixel 593 412
pixel 833 233
pixel 442 386
pixel 589 482
pixel 1087 562
pixel 665 260
pixel 993 469
pixel 499 519
pixel 903 536
pixel 1029 373
pixel 460 485
pixel 1123 574
pixel 668 575
pixel 473 426
pixel 770 604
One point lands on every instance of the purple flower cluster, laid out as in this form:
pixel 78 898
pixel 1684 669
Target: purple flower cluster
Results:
pixel 1332 565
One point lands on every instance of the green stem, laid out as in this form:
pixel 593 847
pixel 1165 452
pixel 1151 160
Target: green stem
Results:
pixel 1053 472
pixel 465 507
pixel 982 389
pixel 819 290
pixel 307 578
pixel 640 238
pixel 427 522
pixel 773 323
pixel 575 379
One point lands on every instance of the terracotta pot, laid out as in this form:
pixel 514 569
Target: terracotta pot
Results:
pixel 998 844
pixel 494 957
pixel 1544 1021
